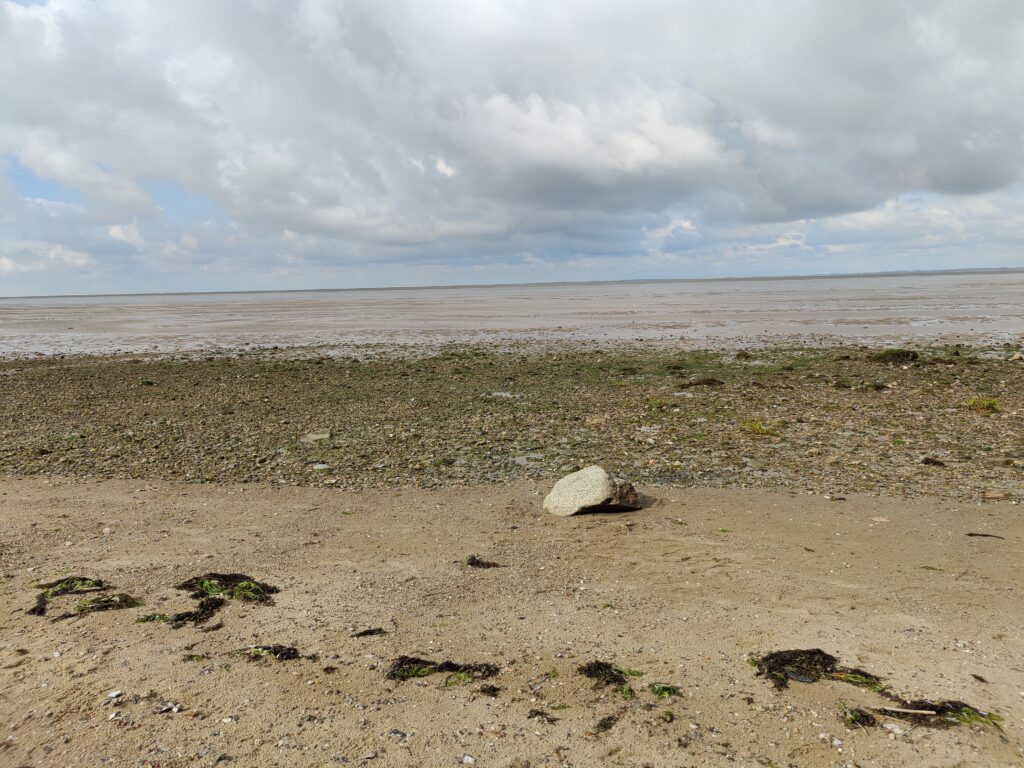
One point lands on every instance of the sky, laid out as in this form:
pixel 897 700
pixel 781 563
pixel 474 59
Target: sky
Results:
pixel 258 145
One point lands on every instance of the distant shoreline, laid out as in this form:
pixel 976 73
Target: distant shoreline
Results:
pixel 555 283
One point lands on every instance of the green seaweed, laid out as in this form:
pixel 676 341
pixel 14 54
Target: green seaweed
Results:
pixel 235 586
pixel 70 585
pixel 663 690
pixel 107 603
pixel 152 617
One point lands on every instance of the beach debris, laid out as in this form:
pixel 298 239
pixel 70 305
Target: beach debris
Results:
pixel 67 586
pixel 39 609
pixel 855 716
pixel 931 461
pixel 409 667
pixel 995 496
pixel 809 666
pixel 168 707
pixel 1016 357
pixel 986 536
pixel 591 489
pixel 475 562
pixel 236 586
pixel 150 618
pixel 203 611
pixel 604 674
pixel 371 632
pixel 542 715
pixel 314 437
pixel 703 382
pixel 895 356
pixel 106 603
pixel 213 590
pixel 489 690
pixel 944 713
pixel 606 723
pixel 278 652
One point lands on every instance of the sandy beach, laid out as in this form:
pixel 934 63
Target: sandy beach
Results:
pixel 684 594
pixel 399 597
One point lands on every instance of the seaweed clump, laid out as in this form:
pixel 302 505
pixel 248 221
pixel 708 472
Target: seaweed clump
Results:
pixel 213 590
pixel 855 716
pixel 941 714
pixel 236 586
pixel 808 666
pixel 278 652
pixel 606 723
pixel 202 613
pixel 409 667
pixel 106 603
pixel 66 586
pixel 895 356
pixel 371 632
pixel 605 674
pixel 475 562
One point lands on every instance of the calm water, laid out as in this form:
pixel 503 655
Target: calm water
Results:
pixel 877 309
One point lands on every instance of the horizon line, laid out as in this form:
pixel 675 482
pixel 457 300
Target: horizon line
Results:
pixel 812 276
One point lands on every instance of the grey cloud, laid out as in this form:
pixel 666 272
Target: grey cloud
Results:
pixel 440 131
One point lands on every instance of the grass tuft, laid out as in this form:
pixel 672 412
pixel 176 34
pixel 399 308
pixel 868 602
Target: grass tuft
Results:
pixel 757 427
pixel 982 405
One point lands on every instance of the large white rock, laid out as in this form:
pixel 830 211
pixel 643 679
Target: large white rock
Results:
pixel 590 488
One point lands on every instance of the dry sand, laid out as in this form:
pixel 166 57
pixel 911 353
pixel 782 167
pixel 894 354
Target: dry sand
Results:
pixel 685 591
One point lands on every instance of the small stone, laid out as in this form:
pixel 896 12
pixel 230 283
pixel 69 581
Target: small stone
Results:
pixel 590 488
pixel 468 760
pixel 1017 356
pixel 114 695
pixel 314 437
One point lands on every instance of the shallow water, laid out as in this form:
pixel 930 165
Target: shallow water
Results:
pixel 976 307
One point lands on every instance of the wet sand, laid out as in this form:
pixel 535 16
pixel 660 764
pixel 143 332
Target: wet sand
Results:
pixel 947 308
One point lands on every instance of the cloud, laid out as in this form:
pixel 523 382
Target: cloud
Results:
pixel 459 139
pixel 46 258
pixel 127 233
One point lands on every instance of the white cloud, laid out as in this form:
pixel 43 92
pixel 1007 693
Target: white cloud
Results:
pixel 443 168
pixel 126 233
pixel 40 257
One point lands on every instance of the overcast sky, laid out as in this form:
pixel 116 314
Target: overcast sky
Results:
pixel 260 144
